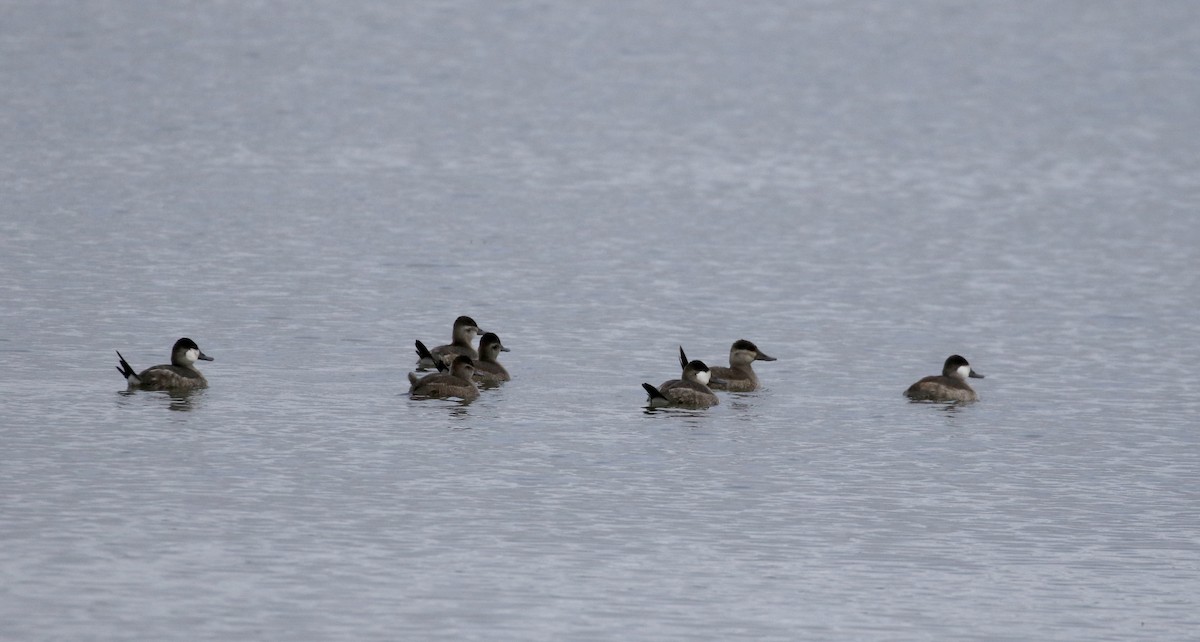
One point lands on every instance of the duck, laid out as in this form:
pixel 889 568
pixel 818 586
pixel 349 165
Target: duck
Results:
pixel 465 330
pixel 951 385
pixel 445 385
pixel 488 368
pixel 739 376
pixel 180 374
pixel 691 391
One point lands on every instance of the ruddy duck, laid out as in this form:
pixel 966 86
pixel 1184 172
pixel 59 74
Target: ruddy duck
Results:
pixel 691 391
pixel 487 368
pixel 465 330
pixel 739 376
pixel 443 385
pixel 181 374
pixel 951 385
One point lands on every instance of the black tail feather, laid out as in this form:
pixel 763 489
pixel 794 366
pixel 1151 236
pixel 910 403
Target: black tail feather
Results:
pixel 683 360
pixel 424 353
pixel 653 392
pixel 125 369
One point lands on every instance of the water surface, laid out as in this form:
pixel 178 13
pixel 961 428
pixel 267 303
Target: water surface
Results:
pixel 860 188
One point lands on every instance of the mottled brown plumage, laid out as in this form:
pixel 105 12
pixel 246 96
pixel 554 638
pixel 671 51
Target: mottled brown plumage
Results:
pixel 180 374
pixel 444 385
pixel 951 385
pixel 691 391
pixel 739 376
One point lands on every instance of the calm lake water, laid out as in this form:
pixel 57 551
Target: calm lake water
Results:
pixel 861 188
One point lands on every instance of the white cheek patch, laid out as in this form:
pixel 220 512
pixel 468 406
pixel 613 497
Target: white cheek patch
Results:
pixel 703 377
pixel 192 354
pixel 964 372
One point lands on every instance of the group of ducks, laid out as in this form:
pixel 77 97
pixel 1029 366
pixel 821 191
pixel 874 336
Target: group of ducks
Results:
pixel 695 388
pixel 459 366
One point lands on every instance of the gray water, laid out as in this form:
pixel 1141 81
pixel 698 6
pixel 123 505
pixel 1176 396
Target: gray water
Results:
pixel 861 188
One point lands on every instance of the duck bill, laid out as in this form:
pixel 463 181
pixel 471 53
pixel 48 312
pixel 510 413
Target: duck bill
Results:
pixel 204 357
pixel 764 357
pixel 975 375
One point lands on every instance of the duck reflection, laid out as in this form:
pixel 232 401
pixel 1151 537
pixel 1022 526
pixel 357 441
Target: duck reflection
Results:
pixel 177 400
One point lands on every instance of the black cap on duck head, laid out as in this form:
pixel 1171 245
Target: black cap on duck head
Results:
pixel 183 350
pixel 743 352
pixel 490 338
pixel 742 344
pixel 697 371
pixel 957 366
pixel 462 361
pixel 185 344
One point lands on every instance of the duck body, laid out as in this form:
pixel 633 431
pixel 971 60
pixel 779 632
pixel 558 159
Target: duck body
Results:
pixel 951 385
pixel 181 374
pixel 455 383
pixel 691 391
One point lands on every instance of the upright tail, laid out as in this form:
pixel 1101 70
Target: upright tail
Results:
pixel 656 398
pixel 683 360
pixel 423 355
pixel 126 370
